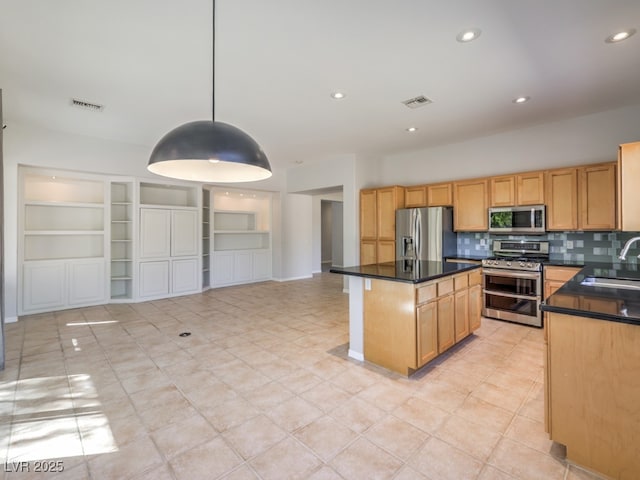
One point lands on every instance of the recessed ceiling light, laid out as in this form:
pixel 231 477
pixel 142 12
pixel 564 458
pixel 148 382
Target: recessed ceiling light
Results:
pixel 620 36
pixel 468 35
pixel 411 129
pixel 338 95
pixel 521 99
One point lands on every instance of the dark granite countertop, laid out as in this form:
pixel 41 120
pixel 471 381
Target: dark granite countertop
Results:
pixel 409 271
pixel 474 258
pixel 564 263
pixel 613 304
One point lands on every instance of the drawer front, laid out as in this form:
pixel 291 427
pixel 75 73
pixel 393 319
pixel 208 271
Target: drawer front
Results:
pixel 461 281
pixel 475 277
pixel 561 274
pixel 426 293
pixel 445 287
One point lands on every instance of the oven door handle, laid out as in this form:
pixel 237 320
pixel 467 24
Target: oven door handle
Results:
pixel 510 295
pixel 510 273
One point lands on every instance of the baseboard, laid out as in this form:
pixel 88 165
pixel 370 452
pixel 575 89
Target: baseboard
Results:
pixel 356 355
pixel 313 272
pixel 10 319
pixel 304 277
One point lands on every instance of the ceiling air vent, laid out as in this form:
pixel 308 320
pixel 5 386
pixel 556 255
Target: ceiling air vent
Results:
pixel 417 102
pixel 87 105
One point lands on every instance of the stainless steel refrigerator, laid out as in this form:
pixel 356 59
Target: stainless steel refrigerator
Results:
pixel 425 234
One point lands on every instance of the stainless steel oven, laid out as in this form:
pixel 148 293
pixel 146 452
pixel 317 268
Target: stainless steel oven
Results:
pixel 512 281
pixel 512 295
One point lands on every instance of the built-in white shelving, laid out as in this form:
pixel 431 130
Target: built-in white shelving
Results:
pixel 206 238
pixel 122 230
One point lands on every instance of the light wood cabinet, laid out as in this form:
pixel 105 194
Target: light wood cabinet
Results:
pixel 597 198
pixel 378 223
pixel 628 175
pixel 427 326
pixel 530 188
pixel 440 194
pixel 471 200
pixel 415 196
pixel 591 373
pixel 503 191
pixel 554 278
pixel 562 199
pixel 403 341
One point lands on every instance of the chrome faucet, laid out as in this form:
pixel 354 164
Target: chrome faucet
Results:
pixel 627 246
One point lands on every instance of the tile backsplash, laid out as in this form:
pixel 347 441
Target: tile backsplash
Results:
pixel 577 246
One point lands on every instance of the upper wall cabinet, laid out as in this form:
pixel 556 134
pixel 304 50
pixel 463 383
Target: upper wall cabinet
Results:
pixel 515 190
pixel 378 223
pixel 415 196
pixel 581 198
pixel 368 215
pixel 440 194
pixel 628 187
pixel 470 203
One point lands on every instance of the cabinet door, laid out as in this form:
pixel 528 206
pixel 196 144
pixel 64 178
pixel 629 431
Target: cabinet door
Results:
pixel 86 281
pixel 470 200
pixel 598 197
pixel 446 323
pixel 368 252
pixel 562 199
pixel 184 275
pixel 388 200
pixel 475 307
pixel 155 233
pixel 43 285
pixel 503 191
pixel 242 267
pixel 368 215
pixel 461 314
pixel 530 188
pixel 222 268
pixel 440 195
pixel 386 251
pixel 415 196
pixel 261 265
pixel 628 191
pixel 427 318
pixel 154 279
pixel 184 233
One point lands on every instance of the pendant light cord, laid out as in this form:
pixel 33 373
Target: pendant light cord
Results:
pixel 213 62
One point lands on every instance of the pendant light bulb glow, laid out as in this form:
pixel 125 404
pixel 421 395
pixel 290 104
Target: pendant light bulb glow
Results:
pixel 209 151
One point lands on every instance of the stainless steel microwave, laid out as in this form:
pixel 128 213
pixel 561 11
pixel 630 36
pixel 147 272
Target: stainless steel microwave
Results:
pixel 507 220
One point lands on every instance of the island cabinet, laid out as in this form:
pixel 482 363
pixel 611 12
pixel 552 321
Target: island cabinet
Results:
pixel 581 198
pixel 407 325
pixel 593 398
pixel 378 223
pixel 470 203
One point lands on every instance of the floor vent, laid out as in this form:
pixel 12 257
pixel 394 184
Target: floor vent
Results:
pixel 87 105
pixel 417 102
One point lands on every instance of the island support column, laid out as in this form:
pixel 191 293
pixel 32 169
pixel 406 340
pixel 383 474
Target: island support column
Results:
pixel 356 317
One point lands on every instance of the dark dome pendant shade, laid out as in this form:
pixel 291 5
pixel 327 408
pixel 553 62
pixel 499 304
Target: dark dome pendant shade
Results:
pixel 209 151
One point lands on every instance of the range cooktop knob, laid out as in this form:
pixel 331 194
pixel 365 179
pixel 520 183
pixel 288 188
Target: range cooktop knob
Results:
pixel 530 265
pixel 522 264
pixel 508 264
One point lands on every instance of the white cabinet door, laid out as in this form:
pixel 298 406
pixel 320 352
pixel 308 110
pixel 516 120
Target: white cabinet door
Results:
pixel 222 268
pixel 184 275
pixel 261 265
pixel 184 233
pixel 154 278
pixel 155 233
pixel 86 281
pixel 44 285
pixel 242 267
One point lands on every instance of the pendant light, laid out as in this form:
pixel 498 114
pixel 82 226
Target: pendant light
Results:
pixel 209 151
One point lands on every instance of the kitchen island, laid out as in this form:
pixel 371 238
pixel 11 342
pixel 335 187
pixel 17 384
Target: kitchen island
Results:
pixel 404 314
pixel 592 371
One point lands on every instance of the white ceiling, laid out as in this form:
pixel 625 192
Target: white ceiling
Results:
pixel 149 63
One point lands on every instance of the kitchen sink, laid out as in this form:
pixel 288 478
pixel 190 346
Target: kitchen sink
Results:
pixel 611 283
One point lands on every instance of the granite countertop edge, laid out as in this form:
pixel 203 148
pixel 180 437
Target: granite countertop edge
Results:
pixel 366 271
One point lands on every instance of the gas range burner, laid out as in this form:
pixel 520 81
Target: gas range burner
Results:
pixel 525 255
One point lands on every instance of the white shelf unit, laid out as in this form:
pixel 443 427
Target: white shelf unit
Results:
pixel 241 237
pixel 62 248
pixel 206 238
pixel 122 242
pixel 169 244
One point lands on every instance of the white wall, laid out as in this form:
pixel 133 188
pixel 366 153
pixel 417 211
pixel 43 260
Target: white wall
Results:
pixel 337 236
pixel 296 237
pixel 580 140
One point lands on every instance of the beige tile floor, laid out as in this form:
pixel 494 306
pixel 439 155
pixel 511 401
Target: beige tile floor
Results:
pixel 263 389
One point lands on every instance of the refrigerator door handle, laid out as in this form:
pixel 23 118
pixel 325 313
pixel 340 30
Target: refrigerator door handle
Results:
pixel 417 232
